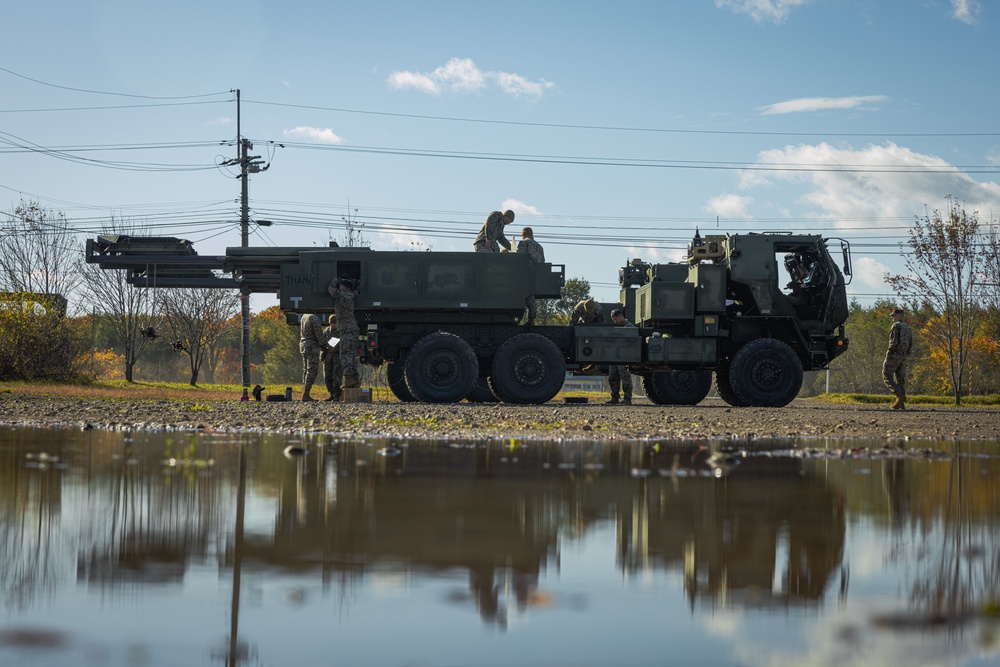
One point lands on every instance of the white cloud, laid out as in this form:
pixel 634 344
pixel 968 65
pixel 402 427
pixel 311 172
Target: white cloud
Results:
pixel 516 85
pixel 965 11
pixel 775 11
pixel 804 104
pixel 656 255
pixel 221 120
pixel 871 272
pixel 519 207
pixel 398 239
pixel 993 156
pixel 421 82
pixel 876 182
pixel 317 134
pixel 729 205
pixel 462 75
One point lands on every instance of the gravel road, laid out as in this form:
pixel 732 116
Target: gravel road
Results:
pixel 711 419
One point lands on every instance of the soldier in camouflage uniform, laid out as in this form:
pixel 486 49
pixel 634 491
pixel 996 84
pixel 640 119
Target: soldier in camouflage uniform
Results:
pixel 333 371
pixel 343 292
pixel 311 344
pixel 587 311
pixel 529 245
pixel 491 237
pixel 619 376
pixel 894 366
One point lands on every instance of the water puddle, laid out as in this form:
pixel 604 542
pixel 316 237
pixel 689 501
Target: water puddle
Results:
pixel 151 548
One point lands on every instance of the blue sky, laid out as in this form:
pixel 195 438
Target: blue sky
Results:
pixel 613 129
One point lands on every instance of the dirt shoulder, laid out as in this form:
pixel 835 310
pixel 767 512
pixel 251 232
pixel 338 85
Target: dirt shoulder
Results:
pixel 711 419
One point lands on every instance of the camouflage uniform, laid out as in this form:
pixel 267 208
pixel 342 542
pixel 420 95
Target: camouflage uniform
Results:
pixel 894 366
pixel 333 370
pixel 347 326
pixel 619 377
pixel 311 345
pixel 581 316
pixel 489 237
pixel 534 250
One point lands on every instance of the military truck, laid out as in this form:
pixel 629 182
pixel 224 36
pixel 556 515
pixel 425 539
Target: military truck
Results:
pixel 447 323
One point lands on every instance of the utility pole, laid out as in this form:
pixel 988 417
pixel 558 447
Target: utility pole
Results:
pixel 249 164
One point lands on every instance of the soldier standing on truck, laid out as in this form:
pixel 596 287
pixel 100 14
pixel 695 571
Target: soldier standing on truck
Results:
pixel 491 237
pixel 619 376
pixel 587 311
pixel 333 370
pixel 312 344
pixel 343 292
pixel 894 366
pixel 529 245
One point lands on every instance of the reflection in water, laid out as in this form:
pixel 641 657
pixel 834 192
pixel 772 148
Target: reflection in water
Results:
pixel 770 535
pixel 131 514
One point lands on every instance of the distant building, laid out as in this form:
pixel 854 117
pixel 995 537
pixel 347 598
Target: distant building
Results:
pixel 33 302
pixel 584 382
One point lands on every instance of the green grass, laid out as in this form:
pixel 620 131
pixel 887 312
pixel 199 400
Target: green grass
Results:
pixel 991 400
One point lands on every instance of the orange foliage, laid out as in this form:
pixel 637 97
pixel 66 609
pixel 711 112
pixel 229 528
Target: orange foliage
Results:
pixel 983 361
pixel 102 364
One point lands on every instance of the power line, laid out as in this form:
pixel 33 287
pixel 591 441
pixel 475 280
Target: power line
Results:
pixel 100 92
pixel 619 128
pixel 650 163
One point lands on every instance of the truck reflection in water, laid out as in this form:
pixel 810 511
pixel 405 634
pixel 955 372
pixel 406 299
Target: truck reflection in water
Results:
pixel 767 533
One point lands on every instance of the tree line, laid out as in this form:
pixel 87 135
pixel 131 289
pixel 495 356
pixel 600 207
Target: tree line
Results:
pixel 951 291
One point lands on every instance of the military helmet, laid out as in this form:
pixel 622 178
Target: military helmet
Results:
pixel 589 305
pixel 527 233
pixel 509 214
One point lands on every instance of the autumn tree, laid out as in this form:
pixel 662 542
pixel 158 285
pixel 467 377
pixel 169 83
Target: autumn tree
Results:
pixel 859 370
pixel 39 252
pixel 991 281
pixel 281 363
pixel 198 321
pixel 557 311
pixel 945 263
pixel 126 308
pixel 38 340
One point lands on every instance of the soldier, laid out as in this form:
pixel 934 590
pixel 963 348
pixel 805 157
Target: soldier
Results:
pixel 894 366
pixel 491 237
pixel 619 376
pixel 311 344
pixel 333 370
pixel 587 311
pixel 343 292
pixel 529 245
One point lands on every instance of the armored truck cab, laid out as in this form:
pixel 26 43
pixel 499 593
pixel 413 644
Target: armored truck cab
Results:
pixel 728 308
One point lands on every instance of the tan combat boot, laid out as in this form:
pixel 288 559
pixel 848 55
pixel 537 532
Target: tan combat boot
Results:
pixel 898 403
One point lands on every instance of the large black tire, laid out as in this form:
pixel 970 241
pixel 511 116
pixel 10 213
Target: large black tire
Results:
pixel 441 368
pixel 396 377
pixel 725 389
pixel 481 393
pixel 649 389
pixel 528 368
pixel 678 387
pixel 765 373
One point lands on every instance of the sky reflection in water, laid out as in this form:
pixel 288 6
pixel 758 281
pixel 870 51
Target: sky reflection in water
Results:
pixel 203 549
